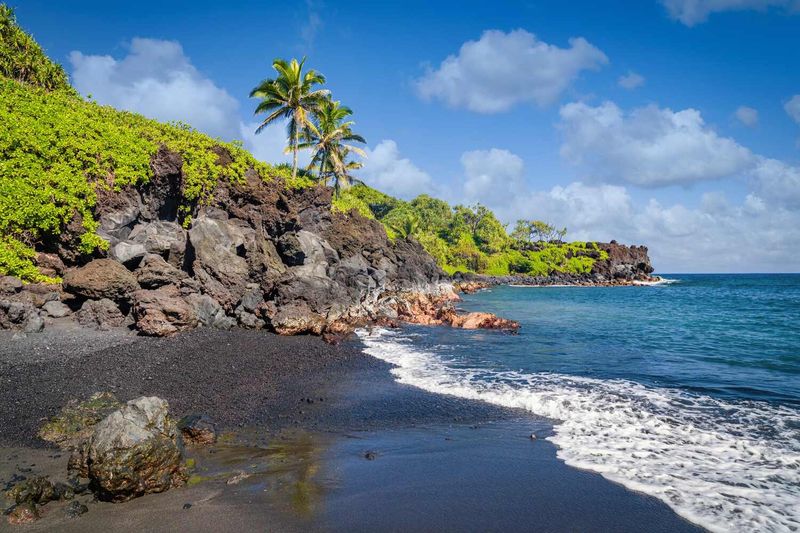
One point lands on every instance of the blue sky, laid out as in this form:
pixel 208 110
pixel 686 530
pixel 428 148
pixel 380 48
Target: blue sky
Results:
pixel 519 105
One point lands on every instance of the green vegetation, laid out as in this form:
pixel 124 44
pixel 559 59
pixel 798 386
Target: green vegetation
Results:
pixel 58 150
pixel 23 60
pixel 291 96
pixel 313 117
pixel 470 238
pixel 328 144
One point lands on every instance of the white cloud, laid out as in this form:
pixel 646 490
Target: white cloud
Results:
pixel 778 182
pixel 157 80
pixel 747 116
pixel 792 108
pixel 649 146
pixel 492 176
pixel 388 172
pixel 631 81
pixel 692 12
pixel 501 70
pixel 312 25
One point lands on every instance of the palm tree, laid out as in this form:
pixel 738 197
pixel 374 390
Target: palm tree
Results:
pixel 406 226
pixel 328 143
pixel 291 95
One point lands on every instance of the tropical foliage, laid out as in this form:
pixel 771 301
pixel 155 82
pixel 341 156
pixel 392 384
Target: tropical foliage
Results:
pixel 56 150
pixel 22 59
pixel 292 96
pixel 313 118
pixel 328 141
pixel 471 238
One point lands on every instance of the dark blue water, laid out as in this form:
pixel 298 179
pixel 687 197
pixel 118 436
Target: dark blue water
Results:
pixel 689 391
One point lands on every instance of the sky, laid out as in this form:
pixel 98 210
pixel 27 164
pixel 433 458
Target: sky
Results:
pixel 669 123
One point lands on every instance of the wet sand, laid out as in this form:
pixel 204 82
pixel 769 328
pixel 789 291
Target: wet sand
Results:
pixel 328 440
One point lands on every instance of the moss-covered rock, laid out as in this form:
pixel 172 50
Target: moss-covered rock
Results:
pixel 134 451
pixel 77 419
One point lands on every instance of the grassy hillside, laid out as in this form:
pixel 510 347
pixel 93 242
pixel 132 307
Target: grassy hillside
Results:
pixel 468 239
pixel 23 60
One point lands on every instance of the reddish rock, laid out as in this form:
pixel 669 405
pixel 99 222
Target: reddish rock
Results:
pixel 198 430
pixel 470 287
pixel 102 278
pixel 162 312
pixel 484 321
pixel 24 513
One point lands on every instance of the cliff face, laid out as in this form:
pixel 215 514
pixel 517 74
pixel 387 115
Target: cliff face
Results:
pixel 259 255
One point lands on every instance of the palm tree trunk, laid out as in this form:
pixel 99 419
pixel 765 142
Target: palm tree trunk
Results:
pixel 295 144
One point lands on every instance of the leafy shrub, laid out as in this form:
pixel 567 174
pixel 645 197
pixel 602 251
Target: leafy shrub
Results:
pixel 22 59
pixel 345 202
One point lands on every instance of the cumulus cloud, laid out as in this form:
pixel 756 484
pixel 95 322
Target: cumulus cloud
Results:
pixel 630 81
pixel 778 182
pixel 792 108
pixel 386 170
pixel 692 12
pixel 747 116
pixel 716 236
pixel 649 146
pixel 157 80
pixel 492 176
pixel 501 70
pixel 759 233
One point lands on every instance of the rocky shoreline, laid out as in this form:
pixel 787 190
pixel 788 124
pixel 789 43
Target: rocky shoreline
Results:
pixel 255 254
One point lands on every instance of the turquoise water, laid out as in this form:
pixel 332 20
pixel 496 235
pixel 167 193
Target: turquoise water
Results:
pixel 689 391
pixel 732 336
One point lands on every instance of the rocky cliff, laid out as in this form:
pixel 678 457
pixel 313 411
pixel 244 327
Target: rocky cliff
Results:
pixel 259 255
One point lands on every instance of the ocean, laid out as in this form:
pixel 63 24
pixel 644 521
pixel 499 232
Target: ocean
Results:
pixel 688 391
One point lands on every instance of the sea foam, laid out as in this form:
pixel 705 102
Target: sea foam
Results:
pixel 727 466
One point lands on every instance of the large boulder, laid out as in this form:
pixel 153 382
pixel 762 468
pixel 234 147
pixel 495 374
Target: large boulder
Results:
pixel 128 253
pixel 209 312
pixel 10 285
pixel 155 272
pixel 162 312
pixel 100 314
pixel 218 265
pixel 297 319
pixel 22 315
pixel 102 278
pixel 164 238
pixel 118 211
pixel 134 451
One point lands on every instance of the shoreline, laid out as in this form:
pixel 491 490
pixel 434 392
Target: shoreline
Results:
pixel 457 462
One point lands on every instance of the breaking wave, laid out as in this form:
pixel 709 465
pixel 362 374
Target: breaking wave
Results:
pixel 727 466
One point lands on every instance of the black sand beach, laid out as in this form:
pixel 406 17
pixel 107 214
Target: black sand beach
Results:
pixel 328 441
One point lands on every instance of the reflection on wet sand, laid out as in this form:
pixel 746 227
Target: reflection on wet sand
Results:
pixel 282 472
